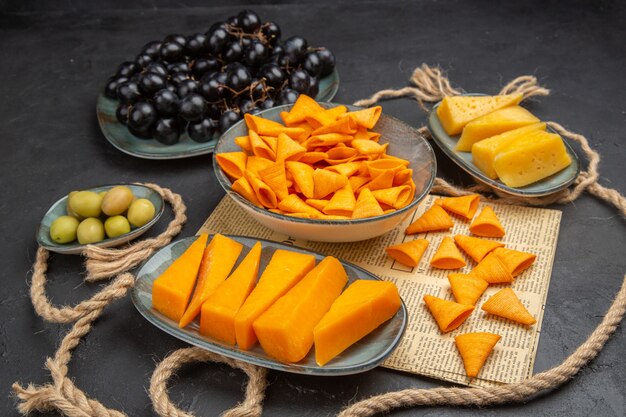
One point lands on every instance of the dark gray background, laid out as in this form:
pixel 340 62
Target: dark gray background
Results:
pixel 56 56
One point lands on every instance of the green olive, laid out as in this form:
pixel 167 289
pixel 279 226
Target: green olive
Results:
pixel 68 209
pixel 85 203
pixel 117 200
pixel 140 212
pixel 90 230
pixel 116 226
pixel 63 229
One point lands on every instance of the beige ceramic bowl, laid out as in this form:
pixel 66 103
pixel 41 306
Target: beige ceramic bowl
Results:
pixel 404 142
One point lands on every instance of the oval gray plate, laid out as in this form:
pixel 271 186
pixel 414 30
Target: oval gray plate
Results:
pixel 59 209
pixel 549 185
pixel 366 354
pixel 119 136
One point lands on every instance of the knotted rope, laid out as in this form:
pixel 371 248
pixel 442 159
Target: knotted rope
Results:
pixel 103 263
pixel 430 85
pixel 255 389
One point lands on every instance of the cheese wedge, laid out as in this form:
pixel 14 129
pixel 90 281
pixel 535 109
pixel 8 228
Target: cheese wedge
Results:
pixel 285 330
pixel 285 269
pixel 494 123
pixel 172 289
pixel 455 112
pixel 484 152
pixel 360 309
pixel 528 160
pixel 217 317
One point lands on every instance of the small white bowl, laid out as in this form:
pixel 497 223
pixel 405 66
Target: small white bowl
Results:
pixel 404 142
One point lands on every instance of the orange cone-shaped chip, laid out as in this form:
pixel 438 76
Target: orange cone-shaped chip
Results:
pixel 317 204
pixel 244 143
pixel 260 148
pixel 356 181
pixel 447 256
pixel 384 180
pixel 325 117
pixel 487 224
pixel 403 177
pixel 464 206
pixel 475 247
pixel 475 348
pixel 492 270
pixel 396 197
pixel 244 189
pixel 327 182
pixel 366 118
pixel 516 261
pixel 302 175
pixel 378 166
pixel 340 154
pixel 348 168
pixel 466 288
pixel 408 253
pixel 288 149
pixel 303 107
pixel 448 314
pixel 233 163
pixel 368 147
pixel 293 204
pixel 313 157
pixel 266 127
pixel 363 133
pixel 433 219
pixel 342 202
pixel 270 141
pixel 366 205
pixel 265 195
pixel 274 176
pixel 325 139
pixel 505 303
pixel 255 164
pixel 345 126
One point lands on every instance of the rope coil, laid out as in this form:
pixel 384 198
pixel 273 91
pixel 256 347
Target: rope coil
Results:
pixel 430 85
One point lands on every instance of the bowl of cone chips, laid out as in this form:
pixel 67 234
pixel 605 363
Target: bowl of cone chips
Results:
pixel 324 171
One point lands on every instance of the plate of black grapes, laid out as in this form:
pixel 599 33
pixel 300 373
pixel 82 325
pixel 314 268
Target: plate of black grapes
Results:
pixel 179 94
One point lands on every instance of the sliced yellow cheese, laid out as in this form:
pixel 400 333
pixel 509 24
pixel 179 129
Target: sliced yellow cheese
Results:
pixel 530 159
pixel 172 289
pixel 285 269
pixel 217 316
pixel 360 309
pixel 285 330
pixel 485 151
pixel 455 112
pixel 494 123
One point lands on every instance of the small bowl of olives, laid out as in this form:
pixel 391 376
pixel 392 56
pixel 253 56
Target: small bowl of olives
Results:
pixel 104 216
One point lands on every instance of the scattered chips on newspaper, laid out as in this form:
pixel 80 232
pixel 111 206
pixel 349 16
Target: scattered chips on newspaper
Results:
pixel 495 264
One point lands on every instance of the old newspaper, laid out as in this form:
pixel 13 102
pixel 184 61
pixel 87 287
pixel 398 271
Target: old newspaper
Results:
pixel 424 349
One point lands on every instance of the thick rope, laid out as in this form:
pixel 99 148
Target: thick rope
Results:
pixel 66 314
pixel 430 86
pixel 103 263
pixel 522 391
pixel 63 395
pixel 255 389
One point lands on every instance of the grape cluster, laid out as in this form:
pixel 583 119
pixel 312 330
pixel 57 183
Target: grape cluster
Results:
pixel 205 82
